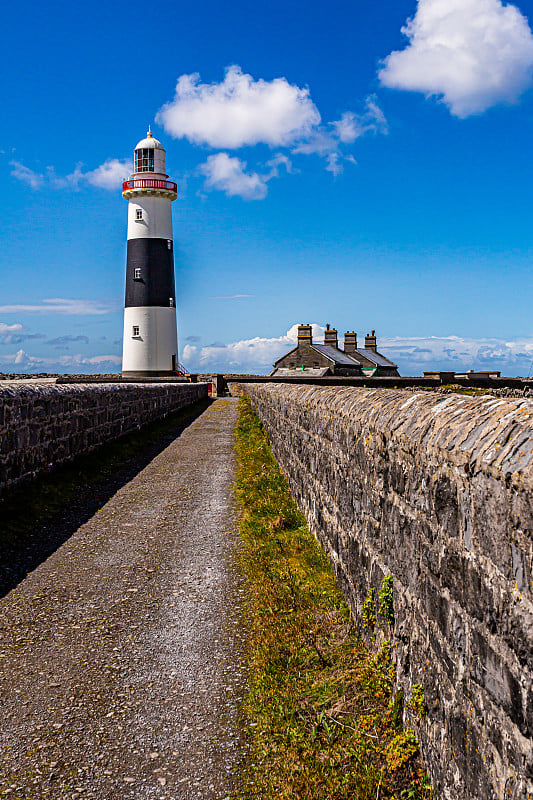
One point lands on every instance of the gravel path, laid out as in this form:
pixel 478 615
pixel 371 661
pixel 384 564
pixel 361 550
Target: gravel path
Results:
pixel 121 656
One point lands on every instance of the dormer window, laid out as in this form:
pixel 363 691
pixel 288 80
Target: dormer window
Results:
pixel 137 274
pixel 144 159
pixel 139 214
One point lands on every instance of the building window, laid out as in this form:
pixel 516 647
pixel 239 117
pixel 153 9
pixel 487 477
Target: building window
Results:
pixel 144 160
pixel 139 214
pixel 137 274
pixel 136 330
pixel 169 244
pixel 171 302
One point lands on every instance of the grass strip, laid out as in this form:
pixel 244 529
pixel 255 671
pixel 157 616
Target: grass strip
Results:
pixel 322 719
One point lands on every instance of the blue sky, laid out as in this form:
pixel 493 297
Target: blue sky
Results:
pixel 336 163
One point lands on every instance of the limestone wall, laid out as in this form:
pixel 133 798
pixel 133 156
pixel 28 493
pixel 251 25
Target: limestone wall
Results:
pixel 437 492
pixel 42 426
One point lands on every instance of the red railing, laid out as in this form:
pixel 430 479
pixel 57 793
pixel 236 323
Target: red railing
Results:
pixel 149 183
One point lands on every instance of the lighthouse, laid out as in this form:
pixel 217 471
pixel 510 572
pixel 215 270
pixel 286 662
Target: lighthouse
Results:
pixel 150 333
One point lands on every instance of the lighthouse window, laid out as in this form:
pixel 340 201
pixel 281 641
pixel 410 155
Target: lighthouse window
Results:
pixel 169 244
pixel 135 330
pixel 171 302
pixel 139 213
pixel 144 160
pixel 137 274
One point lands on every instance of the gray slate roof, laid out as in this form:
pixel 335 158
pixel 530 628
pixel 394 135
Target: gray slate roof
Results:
pixel 376 358
pixel 337 356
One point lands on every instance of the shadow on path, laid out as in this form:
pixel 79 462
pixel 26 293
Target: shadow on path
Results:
pixel 38 517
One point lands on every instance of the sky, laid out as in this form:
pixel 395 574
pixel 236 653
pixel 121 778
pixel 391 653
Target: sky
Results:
pixel 365 165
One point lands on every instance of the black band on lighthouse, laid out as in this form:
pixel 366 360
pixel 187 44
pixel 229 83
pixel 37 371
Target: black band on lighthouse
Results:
pixel 150 272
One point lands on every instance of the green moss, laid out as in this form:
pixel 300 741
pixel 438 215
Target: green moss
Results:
pixel 417 703
pixel 419 788
pixel 401 750
pixel 386 602
pixel 369 610
pixel 396 709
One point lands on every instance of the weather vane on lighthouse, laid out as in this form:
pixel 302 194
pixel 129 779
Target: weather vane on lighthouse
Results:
pixel 150 333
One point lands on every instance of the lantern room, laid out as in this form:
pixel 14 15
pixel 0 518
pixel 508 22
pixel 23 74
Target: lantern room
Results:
pixel 149 156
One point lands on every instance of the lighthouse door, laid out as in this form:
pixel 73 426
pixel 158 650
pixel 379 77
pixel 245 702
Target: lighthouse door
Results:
pixel 173 363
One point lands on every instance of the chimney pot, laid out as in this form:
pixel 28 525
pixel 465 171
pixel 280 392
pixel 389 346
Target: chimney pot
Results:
pixel 330 337
pixel 371 342
pixel 305 334
pixel 350 342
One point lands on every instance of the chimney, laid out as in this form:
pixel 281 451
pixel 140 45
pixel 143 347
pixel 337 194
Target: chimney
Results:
pixel 350 342
pixel 305 334
pixel 330 337
pixel 370 342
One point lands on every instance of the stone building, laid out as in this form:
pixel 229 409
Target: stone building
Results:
pixel 321 360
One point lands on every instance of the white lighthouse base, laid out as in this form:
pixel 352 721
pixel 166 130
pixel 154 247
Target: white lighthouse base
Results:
pixel 150 341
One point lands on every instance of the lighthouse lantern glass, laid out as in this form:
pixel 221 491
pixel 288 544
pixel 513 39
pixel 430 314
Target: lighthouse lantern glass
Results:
pixel 144 160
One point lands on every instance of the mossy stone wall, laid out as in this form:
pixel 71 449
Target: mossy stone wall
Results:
pixel 42 426
pixel 437 492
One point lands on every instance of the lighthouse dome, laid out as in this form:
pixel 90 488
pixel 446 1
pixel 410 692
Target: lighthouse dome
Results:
pixel 150 143
pixel 150 155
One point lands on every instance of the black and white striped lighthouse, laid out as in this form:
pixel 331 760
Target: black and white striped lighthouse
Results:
pixel 150 332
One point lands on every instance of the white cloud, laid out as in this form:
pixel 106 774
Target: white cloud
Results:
pixel 249 355
pixel 333 164
pixel 352 126
pixel 20 361
pixel 21 358
pixel 257 355
pixel 239 111
pixel 26 175
pixel 6 329
pixel 473 54
pixel 457 353
pixel 59 305
pixel 228 174
pixel 23 362
pixel 276 162
pixel 110 174
pixel 321 142
pixel 80 360
pixel 412 354
pixel 65 181
pixel 346 127
pixel 17 338
pixel 328 140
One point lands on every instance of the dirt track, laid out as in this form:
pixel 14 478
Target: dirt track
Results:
pixel 121 656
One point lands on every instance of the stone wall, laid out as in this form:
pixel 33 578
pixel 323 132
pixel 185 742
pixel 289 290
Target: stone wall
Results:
pixel 437 492
pixel 42 426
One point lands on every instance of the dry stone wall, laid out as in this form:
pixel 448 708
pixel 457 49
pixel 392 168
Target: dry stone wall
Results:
pixel 438 493
pixel 42 426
